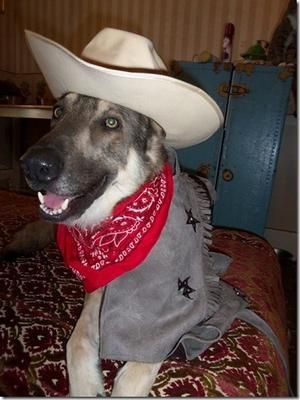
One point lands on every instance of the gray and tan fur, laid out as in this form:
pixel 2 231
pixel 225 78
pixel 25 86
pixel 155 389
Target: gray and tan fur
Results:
pixel 95 154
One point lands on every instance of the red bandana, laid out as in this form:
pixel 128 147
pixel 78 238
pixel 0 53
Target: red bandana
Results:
pixel 122 241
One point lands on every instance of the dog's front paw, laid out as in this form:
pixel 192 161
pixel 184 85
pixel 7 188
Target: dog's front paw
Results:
pixel 86 389
pixel 135 379
pixel 100 395
pixel 85 380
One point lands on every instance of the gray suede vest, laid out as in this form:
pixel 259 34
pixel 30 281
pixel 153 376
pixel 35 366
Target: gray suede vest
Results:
pixel 176 295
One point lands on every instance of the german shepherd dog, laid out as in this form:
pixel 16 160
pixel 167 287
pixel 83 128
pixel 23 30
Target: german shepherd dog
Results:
pixel 95 154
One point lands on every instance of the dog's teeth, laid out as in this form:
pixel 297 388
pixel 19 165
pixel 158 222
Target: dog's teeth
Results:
pixel 65 204
pixel 50 211
pixel 54 211
pixel 41 198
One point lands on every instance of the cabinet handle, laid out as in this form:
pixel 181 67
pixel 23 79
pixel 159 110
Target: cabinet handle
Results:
pixel 234 89
pixel 227 175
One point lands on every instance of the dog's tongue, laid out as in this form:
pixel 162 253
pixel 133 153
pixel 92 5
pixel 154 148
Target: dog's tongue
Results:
pixel 54 201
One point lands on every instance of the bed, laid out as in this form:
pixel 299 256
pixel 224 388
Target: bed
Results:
pixel 41 301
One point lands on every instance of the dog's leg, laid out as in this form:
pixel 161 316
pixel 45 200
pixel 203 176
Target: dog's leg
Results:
pixel 135 379
pixel 84 369
pixel 33 236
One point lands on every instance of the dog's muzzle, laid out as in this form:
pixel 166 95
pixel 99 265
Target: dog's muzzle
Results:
pixel 41 166
pixel 44 168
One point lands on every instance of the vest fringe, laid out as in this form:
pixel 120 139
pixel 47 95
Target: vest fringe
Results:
pixel 205 197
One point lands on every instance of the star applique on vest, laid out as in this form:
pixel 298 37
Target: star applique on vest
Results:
pixel 191 220
pixel 184 288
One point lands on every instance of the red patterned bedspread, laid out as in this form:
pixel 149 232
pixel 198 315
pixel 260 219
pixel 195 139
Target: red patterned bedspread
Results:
pixel 41 301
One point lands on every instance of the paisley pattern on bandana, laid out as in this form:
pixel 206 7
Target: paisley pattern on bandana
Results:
pixel 122 241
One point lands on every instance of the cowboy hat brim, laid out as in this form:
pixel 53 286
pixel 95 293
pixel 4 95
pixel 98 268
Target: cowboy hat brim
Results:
pixel 186 113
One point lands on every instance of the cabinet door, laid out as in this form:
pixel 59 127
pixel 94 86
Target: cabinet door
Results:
pixel 214 79
pixel 254 122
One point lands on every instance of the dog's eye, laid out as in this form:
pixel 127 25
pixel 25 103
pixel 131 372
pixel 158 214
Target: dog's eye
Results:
pixel 57 112
pixel 111 122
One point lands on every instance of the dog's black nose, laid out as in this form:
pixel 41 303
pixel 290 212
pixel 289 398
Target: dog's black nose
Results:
pixel 41 164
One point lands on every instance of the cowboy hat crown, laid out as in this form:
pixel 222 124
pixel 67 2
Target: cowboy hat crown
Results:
pixel 124 50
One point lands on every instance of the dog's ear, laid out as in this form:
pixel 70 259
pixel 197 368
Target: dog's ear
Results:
pixel 155 149
pixel 156 128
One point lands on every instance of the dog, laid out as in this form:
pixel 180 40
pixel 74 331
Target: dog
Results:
pixel 129 225
pixel 96 154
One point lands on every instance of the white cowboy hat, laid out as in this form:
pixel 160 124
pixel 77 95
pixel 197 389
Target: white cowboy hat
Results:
pixel 125 69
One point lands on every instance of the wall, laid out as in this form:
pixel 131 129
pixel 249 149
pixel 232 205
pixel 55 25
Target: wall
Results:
pixel 179 28
pixel 8 32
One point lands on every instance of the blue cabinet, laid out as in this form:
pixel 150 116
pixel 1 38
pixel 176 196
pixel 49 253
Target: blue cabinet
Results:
pixel 240 159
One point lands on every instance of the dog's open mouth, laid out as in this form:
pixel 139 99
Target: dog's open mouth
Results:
pixel 54 205
pixel 59 208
